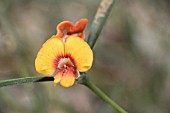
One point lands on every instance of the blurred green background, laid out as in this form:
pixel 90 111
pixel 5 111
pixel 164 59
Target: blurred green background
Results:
pixel 132 63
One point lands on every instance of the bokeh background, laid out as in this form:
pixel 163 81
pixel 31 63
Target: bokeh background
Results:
pixel 132 63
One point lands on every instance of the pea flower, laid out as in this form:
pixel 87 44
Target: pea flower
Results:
pixel 65 55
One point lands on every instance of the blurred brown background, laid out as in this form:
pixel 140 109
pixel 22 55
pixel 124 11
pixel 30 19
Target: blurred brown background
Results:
pixel 131 56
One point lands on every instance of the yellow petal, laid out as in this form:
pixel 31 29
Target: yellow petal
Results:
pixel 80 51
pixel 68 78
pixel 58 76
pixel 51 50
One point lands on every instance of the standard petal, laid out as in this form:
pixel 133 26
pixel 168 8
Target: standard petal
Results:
pixel 80 52
pixel 68 78
pixel 50 52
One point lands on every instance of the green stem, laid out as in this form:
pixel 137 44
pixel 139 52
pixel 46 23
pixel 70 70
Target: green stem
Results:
pixel 101 94
pixel 99 21
pixel 25 80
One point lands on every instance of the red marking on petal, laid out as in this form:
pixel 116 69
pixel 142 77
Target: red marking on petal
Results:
pixel 59 57
pixel 72 59
pixel 56 61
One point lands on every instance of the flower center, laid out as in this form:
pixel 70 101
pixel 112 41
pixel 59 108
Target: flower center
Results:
pixel 64 62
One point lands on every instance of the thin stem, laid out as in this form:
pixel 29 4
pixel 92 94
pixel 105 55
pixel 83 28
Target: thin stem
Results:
pixel 99 21
pixel 25 80
pixel 101 94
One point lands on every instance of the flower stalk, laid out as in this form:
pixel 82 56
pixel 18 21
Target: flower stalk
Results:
pixel 101 94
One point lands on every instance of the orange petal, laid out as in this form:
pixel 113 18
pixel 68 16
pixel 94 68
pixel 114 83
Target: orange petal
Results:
pixel 71 29
pixel 68 78
pixel 65 25
pixel 79 27
pixel 58 76
pixel 82 35
pixel 80 52
pixel 52 49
